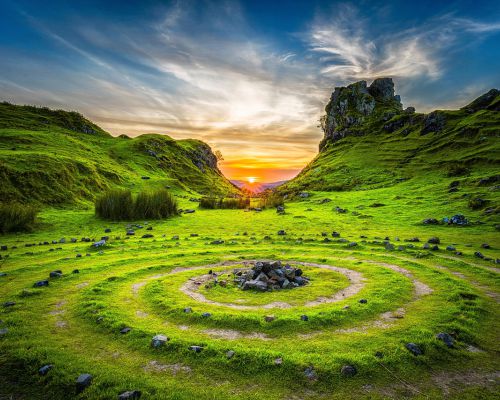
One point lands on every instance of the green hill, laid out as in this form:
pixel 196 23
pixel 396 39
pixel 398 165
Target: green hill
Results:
pixel 54 157
pixel 371 142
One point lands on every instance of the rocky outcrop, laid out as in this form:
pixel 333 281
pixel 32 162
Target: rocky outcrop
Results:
pixel 488 101
pixel 350 107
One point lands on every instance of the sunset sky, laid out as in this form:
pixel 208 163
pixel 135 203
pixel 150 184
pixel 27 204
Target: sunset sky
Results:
pixel 251 78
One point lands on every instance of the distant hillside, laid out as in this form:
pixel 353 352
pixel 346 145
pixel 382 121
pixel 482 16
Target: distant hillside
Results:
pixel 55 156
pixel 257 187
pixel 371 142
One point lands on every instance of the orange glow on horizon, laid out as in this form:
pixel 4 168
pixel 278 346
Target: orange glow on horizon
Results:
pixel 251 179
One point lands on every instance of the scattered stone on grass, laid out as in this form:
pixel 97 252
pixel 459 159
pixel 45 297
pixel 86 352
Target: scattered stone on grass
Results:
pixel 196 349
pixel 348 370
pixel 414 349
pixel 310 374
pixel 159 340
pixel 446 338
pixel 45 369
pixel 83 382
pixel 130 395
pixel 123 331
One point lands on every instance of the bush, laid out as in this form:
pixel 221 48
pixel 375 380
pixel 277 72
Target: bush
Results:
pixel 116 204
pixel 155 205
pixel 15 217
pixel 119 205
pixel 213 203
pixel 271 200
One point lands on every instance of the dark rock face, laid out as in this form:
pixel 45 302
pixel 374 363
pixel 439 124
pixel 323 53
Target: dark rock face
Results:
pixel 350 106
pixel 484 102
pixel 433 122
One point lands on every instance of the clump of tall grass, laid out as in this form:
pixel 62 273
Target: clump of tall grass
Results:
pixel 271 200
pixel 119 204
pixel 115 204
pixel 16 217
pixel 214 203
pixel 155 205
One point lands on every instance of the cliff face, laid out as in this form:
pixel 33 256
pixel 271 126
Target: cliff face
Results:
pixel 350 107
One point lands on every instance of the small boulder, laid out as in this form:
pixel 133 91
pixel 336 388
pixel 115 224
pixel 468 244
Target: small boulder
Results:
pixel 348 370
pixel 125 330
pixel 446 338
pixel 230 354
pixel 41 283
pixel 269 318
pixel 414 349
pixel 434 240
pixel 45 369
pixel 363 301
pixel 188 310
pixel 281 232
pixel 304 318
pixel 130 395
pixel 196 349
pixel 310 374
pixel 55 274
pixel 206 315
pixel 83 382
pixel 100 243
pixel 159 340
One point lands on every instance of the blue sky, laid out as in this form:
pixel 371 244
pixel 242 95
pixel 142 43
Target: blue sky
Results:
pixel 251 78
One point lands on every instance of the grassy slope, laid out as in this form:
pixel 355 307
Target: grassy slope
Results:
pixel 380 158
pixel 55 157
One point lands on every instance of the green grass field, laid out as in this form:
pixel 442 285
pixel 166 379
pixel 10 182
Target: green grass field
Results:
pixel 412 295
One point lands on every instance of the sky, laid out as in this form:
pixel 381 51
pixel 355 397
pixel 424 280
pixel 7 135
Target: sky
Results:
pixel 250 78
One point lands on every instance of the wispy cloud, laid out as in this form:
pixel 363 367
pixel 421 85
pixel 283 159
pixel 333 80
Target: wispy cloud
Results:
pixel 348 50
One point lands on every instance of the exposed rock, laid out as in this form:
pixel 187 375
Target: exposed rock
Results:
pixel 45 369
pixel 433 122
pixel 281 232
pixel 446 338
pixel 310 374
pixel 434 240
pixel 196 349
pixel 41 283
pixel 82 382
pixel 484 102
pixel 414 349
pixel 125 330
pixel 348 370
pixel 430 221
pixel 130 395
pixel 230 354
pixel 159 340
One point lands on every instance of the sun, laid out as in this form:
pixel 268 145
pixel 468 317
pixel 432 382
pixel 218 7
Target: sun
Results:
pixel 251 179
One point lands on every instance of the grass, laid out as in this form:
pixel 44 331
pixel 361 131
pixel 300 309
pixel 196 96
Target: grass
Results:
pixel 135 282
pixel 15 217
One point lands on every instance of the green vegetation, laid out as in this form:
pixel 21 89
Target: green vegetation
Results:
pixel 119 205
pixel 56 158
pixel 15 217
pixel 376 284
pixel 214 203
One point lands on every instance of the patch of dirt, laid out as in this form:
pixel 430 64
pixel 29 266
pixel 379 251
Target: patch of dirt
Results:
pixel 233 335
pixel 451 381
pixel 141 314
pixel 82 285
pixel 61 324
pixel 174 369
pixel 137 286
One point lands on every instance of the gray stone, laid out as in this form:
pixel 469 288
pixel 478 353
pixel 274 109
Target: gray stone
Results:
pixel 310 374
pixel 196 349
pixel 348 370
pixel 56 274
pixel 269 318
pixel 281 232
pixel 304 318
pixel 125 330
pixel 45 369
pixel 82 382
pixel 9 304
pixel 188 310
pixel 130 395
pixel 100 243
pixel 41 283
pixel 363 301
pixel 434 240
pixel 3 331
pixel 206 315
pixel 230 354
pixel 159 340
pixel 446 338
pixel 414 349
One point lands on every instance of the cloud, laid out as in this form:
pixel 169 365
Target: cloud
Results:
pixel 348 50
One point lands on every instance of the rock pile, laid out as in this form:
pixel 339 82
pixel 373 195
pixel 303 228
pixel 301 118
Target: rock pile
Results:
pixel 265 275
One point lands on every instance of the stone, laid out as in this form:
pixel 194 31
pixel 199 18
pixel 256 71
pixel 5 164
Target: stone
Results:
pixel 147 236
pixel 269 318
pixel 130 395
pixel 130 233
pixel 352 244
pixel 159 340
pixel 107 230
pixel 335 234
pixel 125 330
pixel 9 304
pixel 310 374
pixel 433 122
pixel 55 274
pixel 255 284
pixel 278 361
pixel 389 246
pixel 426 246
pixel 41 283
pixel 75 271
pixel 149 228
pixel 206 315
pixel 304 318
pixel 450 248
pixel 3 331
pixel 435 247
pixel 414 349
pixel 478 254
pixel 175 237
pixel 430 221
pixel 188 310
pixel 363 301
pixel 189 211
pixel 348 370
pixel 3 248
pixel 446 338
pixel 196 349
pixel 45 369
pixel 230 354
pixel 83 382
pixel 486 246
pixel 217 242
pixel 434 240
pixel 194 235
pixel 281 232
pixel 78 255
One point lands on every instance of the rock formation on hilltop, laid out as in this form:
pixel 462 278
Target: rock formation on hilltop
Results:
pixel 350 106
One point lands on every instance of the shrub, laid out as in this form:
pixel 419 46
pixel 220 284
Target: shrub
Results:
pixel 116 204
pixel 15 217
pixel 271 200
pixel 213 203
pixel 155 205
